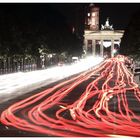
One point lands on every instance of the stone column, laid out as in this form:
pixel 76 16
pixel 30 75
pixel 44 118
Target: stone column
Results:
pixel 85 45
pixel 101 48
pixel 119 40
pixel 93 47
pixel 112 47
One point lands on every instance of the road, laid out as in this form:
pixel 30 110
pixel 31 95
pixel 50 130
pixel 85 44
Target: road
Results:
pixel 16 84
pixel 103 101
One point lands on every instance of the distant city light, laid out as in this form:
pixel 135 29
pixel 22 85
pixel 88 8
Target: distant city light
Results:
pixel 114 51
pixel 88 14
pixel 106 44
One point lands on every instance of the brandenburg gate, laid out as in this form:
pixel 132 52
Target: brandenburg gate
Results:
pixel 104 42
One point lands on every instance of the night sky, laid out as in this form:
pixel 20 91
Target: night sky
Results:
pixel 119 13
pixel 67 14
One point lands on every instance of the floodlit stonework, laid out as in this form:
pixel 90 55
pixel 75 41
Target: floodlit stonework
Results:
pixel 104 42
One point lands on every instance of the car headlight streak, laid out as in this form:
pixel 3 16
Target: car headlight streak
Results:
pixel 21 83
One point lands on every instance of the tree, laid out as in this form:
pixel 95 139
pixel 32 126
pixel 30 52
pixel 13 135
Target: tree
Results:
pixel 130 44
pixel 25 28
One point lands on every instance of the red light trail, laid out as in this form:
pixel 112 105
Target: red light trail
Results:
pixel 100 102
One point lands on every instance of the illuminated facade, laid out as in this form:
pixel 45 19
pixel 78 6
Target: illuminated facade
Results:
pixel 104 42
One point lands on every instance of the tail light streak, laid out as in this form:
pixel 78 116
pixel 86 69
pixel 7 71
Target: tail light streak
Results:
pixel 83 116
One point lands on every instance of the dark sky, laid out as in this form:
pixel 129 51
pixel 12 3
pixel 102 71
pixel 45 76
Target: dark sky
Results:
pixel 72 14
pixel 119 13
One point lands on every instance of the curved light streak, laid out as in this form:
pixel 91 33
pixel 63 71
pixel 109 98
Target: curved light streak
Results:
pixel 13 85
pixel 96 103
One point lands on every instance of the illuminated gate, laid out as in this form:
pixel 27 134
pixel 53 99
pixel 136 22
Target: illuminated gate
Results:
pixel 104 42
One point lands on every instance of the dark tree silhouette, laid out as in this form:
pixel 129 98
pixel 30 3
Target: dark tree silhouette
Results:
pixel 130 44
pixel 25 28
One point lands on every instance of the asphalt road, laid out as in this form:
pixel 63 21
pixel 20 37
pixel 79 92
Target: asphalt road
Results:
pixel 101 102
pixel 8 131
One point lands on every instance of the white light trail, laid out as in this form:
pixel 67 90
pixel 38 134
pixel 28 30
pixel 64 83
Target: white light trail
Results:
pixel 20 83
